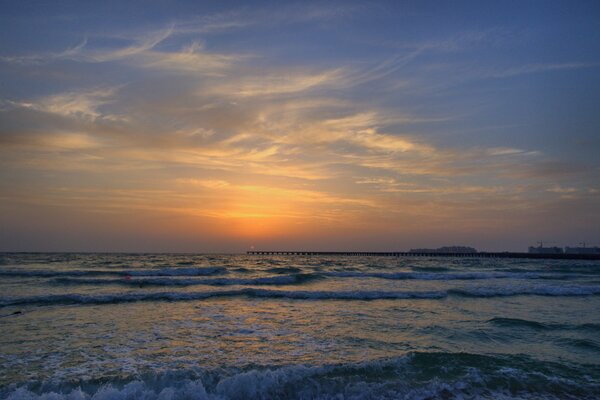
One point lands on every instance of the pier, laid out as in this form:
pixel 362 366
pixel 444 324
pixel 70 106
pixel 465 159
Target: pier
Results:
pixel 562 256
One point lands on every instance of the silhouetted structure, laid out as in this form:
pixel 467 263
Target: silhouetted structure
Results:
pixel 582 250
pixel 506 254
pixel 545 250
pixel 447 250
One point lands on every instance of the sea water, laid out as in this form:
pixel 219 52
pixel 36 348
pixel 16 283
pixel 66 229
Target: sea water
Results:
pixel 169 326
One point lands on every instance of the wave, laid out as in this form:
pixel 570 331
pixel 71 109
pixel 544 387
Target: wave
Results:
pixel 75 298
pixel 268 280
pixel 438 276
pixel 415 376
pixel 25 273
pixel 560 272
pixel 430 269
pixel 517 322
pixel 38 258
pixel 524 323
pixel 578 343
pixel 434 275
pixel 196 271
pixel 193 271
pixel 541 326
pixel 590 327
pixel 284 270
pixel 537 290
pixel 588 269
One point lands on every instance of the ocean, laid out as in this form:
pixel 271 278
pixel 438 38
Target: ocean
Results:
pixel 185 326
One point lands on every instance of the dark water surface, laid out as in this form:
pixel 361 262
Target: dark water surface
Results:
pixel 160 326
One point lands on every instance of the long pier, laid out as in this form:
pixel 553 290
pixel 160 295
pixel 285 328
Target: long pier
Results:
pixel 560 256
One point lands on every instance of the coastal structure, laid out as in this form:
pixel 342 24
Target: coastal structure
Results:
pixel 567 250
pixel 479 254
pixel 540 252
pixel 582 250
pixel 545 250
pixel 447 250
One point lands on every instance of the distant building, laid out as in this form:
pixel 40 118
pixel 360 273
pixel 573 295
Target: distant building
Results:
pixel 447 249
pixel 545 250
pixel 582 250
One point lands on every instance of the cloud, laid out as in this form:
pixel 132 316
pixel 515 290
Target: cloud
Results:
pixel 207 183
pixel 190 59
pixel 562 190
pixel 69 53
pixel 536 68
pixel 252 17
pixel 81 104
pixel 141 53
pixel 275 84
pixel 503 151
pixel 231 135
pixel 295 138
pixel 146 43
pixel 69 141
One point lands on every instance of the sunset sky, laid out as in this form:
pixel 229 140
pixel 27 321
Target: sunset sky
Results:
pixel 218 126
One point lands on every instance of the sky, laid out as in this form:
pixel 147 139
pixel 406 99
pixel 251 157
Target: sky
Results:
pixel 185 126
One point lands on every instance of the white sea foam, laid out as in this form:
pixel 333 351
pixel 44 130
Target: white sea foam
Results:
pixel 72 298
pixel 440 276
pixel 492 291
pixel 192 271
pixel 540 290
pixel 414 376
pixel 145 277
pixel 175 281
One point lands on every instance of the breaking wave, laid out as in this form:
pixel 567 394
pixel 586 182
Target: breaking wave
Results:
pixel 73 298
pixel 288 275
pixel 439 276
pixel 268 280
pixel 415 376
pixel 539 290
pixel 195 271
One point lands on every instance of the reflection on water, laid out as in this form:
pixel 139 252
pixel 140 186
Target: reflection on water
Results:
pixel 113 319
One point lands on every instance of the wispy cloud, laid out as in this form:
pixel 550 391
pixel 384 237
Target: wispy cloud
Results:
pixel 188 125
pixel 536 68
pixel 562 190
pixel 274 84
pixel 141 53
pixel 82 104
pixel 69 53
pixel 142 45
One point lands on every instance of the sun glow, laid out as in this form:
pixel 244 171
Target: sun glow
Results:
pixel 255 227
pixel 198 134
pixel 256 212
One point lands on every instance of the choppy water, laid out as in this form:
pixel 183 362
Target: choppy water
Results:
pixel 160 326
